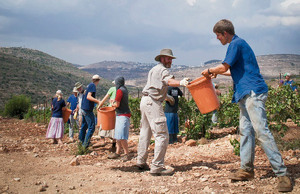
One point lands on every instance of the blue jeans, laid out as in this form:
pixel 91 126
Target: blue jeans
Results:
pixel 253 121
pixel 88 122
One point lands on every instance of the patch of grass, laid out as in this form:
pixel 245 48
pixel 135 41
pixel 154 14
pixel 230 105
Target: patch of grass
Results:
pixel 81 150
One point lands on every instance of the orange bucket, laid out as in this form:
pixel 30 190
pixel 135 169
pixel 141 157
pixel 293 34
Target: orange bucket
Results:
pixel 66 114
pixel 106 117
pixel 204 94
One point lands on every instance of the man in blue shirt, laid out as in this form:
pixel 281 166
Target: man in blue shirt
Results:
pixel 290 82
pixel 250 92
pixel 88 117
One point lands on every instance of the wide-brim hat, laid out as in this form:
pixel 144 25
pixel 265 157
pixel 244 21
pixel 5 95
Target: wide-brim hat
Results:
pixel 78 85
pixel 165 52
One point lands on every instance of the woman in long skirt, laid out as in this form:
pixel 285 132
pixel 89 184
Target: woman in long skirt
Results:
pixel 56 128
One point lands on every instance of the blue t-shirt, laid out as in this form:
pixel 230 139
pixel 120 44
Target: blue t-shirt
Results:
pixel 291 83
pixel 57 107
pixel 244 69
pixel 73 101
pixel 86 104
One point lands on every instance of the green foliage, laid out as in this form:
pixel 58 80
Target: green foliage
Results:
pixel 38 115
pixel 196 124
pixel 134 104
pixel 282 104
pixel 17 106
pixel 228 113
pixel 82 150
pixel 236 146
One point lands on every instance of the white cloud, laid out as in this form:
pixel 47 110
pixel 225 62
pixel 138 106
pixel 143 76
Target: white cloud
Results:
pixel 191 2
pixel 87 31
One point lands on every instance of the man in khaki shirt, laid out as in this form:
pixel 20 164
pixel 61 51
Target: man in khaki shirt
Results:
pixel 153 119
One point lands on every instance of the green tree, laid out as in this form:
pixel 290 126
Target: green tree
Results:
pixel 17 106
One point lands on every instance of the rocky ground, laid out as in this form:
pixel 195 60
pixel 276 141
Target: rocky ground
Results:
pixel 30 164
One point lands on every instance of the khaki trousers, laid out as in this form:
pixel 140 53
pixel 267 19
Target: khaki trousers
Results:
pixel 154 122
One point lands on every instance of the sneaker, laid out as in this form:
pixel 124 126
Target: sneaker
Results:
pixel 125 158
pixel 113 156
pixel 242 175
pixel 284 184
pixel 143 167
pixel 162 172
pixel 99 144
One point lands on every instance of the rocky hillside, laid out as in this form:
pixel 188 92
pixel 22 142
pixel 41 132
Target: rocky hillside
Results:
pixel 38 75
pixel 271 66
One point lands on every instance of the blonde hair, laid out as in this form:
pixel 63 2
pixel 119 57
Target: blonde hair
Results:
pixel 59 95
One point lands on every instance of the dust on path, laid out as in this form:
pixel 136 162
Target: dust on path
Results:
pixel 29 164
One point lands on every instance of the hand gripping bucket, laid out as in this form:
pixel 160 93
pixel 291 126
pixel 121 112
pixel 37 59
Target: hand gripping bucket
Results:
pixel 204 94
pixel 66 114
pixel 106 117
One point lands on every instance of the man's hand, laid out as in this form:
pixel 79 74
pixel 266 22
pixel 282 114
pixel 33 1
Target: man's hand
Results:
pixel 209 74
pixel 184 82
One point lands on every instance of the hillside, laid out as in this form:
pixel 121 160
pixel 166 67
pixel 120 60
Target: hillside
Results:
pixel 38 75
pixel 271 66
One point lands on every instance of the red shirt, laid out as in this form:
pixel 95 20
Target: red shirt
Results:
pixel 118 98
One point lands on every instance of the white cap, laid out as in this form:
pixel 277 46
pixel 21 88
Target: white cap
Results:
pixel 58 92
pixel 96 77
pixel 75 90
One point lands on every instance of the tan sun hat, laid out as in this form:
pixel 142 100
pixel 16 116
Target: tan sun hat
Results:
pixel 165 52
pixel 78 85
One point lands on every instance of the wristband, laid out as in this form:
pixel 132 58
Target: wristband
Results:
pixel 208 71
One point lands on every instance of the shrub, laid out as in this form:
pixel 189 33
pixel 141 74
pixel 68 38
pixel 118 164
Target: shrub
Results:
pixel 17 106
pixel 134 104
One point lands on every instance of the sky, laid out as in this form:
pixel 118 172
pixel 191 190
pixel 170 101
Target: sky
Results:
pixel 90 31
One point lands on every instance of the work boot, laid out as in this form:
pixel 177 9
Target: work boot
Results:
pixel 242 175
pixel 113 156
pixel 162 172
pixel 284 184
pixel 143 167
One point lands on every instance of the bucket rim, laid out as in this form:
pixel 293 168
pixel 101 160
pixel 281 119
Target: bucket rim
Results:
pixel 197 81
pixel 107 109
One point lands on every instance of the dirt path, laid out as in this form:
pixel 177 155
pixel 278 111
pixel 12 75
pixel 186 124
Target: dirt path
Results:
pixel 29 164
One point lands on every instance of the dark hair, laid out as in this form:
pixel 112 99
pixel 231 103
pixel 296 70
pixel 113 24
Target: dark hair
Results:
pixel 224 25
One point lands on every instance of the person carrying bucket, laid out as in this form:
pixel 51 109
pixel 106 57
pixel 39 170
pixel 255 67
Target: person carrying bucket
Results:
pixel 122 120
pixel 153 119
pixel 111 94
pixel 250 92
pixel 88 117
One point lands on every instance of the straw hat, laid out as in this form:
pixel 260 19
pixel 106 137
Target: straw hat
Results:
pixel 96 77
pixel 78 85
pixel 165 52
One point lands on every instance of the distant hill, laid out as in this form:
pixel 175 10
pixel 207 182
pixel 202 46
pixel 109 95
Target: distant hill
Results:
pixel 212 61
pixel 136 73
pixel 39 75
pixel 111 69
